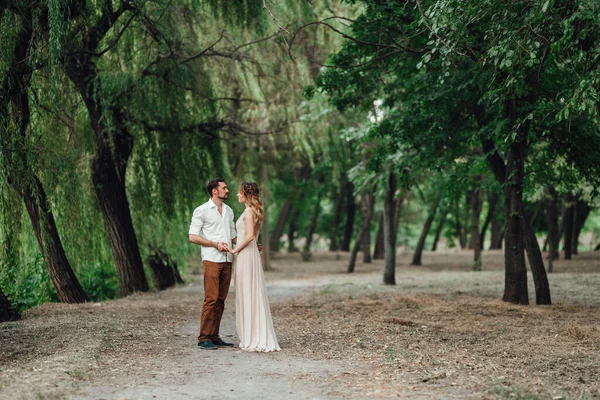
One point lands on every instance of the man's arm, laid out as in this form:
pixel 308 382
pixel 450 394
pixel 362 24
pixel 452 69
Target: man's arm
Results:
pixel 206 243
pixel 196 229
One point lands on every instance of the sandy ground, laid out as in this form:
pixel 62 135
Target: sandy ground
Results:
pixel 441 332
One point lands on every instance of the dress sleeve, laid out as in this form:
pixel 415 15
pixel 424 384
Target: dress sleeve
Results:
pixel 197 222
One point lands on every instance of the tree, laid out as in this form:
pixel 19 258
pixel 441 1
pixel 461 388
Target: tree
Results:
pixel 504 70
pixel 18 160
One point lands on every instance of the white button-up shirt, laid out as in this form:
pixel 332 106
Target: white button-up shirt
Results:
pixel 208 223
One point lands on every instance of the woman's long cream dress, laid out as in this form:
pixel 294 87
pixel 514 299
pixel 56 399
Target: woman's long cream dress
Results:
pixel 253 320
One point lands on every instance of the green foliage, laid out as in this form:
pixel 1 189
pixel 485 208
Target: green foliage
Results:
pixel 204 88
pixel 27 286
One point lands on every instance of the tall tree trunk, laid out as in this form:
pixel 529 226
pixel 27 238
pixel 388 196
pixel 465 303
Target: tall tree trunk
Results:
pixel 582 211
pixel 492 203
pixel 301 175
pixel 511 177
pixel 337 216
pixel 536 212
pixel 292 231
pixel 313 224
pixel 461 232
pixel 476 203
pixel 536 262
pixel 389 231
pixel 27 183
pixel 398 212
pixel 367 209
pixel 378 253
pixel 515 285
pixel 44 227
pixel 438 230
pixel 266 251
pixel 350 216
pixel 421 244
pixel 355 248
pixel 496 235
pixel 552 222
pixel 7 312
pixel 568 224
pixel 466 218
pixel 282 218
pixel 113 149
pixel 365 227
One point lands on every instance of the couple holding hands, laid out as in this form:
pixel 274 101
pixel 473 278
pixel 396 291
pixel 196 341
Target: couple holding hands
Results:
pixel 214 230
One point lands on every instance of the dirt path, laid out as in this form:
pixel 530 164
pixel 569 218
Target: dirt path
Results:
pixel 144 347
pixel 225 373
pixel 441 333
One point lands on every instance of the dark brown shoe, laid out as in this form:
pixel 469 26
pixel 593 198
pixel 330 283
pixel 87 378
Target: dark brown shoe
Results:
pixel 207 345
pixel 220 342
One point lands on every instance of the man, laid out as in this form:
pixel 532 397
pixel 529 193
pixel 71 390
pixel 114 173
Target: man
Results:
pixel 213 229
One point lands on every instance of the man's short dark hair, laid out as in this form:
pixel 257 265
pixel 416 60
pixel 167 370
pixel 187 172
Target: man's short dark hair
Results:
pixel 213 184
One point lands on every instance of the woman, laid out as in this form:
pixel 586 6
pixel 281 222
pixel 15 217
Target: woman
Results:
pixel 253 320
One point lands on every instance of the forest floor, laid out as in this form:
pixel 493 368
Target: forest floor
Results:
pixel 442 332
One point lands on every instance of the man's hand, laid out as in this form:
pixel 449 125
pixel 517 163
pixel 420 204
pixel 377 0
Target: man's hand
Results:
pixel 222 246
pixel 259 247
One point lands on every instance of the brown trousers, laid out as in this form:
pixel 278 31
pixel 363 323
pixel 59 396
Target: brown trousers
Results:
pixel 217 277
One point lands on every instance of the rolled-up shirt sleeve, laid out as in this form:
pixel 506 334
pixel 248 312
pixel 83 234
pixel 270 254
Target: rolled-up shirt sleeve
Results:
pixel 197 222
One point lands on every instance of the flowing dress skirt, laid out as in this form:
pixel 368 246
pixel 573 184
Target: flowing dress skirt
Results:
pixel 253 320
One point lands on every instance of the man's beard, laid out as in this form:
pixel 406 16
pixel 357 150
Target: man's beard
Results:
pixel 224 197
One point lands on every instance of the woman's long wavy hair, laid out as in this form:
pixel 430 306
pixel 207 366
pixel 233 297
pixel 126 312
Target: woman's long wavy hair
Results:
pixel 250 190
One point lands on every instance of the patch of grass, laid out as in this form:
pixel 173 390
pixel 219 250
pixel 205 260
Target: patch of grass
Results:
pixel 106 343
pixel 329 289
pixel 77 373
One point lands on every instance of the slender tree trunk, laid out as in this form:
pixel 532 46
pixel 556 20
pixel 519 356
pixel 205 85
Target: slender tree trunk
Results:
pixel 266 251
pixel 397 213
pixel 552 222
pixel 350 216
pixel 365 226
pixel 476 203
pixel 313 224
pixel 582 211
pixel 7 312
pixel 389 231
pixel 355 248
pixel 27 183
pixel 497 235
pixel 536 212
pixel 44 227
pixel 292 231
pixel 459 229
pixel 536 263
pixel 421 244
pixel 568 224
pixel 282 219
pixel 109 164
pixel 337 216
pixel 438 231
pixel 378 253
pixel 492 203
pixel 367 209
pixel 574 238
pixel 301 175
pixel 467 217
